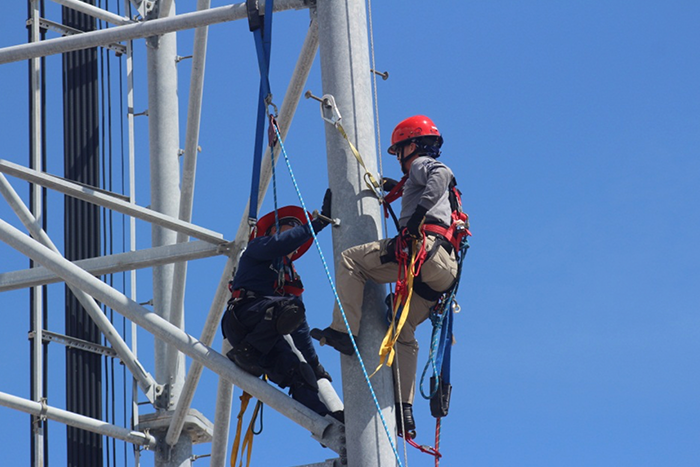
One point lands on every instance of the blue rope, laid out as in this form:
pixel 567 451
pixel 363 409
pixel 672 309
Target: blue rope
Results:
pixel 274 188
pixel 437 319
pixel 337 299
pixel 278 264
pixel 440 354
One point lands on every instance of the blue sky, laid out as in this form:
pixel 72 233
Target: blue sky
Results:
pixel 572 128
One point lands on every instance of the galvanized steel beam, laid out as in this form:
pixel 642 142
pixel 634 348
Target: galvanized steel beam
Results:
pixel 345 75
pixel 326 430
pixel 96 197
pixel 40 409
pixel 144 29
pixel 112 264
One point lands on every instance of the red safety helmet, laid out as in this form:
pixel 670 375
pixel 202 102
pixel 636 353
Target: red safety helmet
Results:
pixel 288 215
pixel 418 126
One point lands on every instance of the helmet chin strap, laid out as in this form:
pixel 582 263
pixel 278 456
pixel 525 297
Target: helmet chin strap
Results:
pixel 404 158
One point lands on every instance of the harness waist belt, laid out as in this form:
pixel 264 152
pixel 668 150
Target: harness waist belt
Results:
pixel 243 293
pixel 446 232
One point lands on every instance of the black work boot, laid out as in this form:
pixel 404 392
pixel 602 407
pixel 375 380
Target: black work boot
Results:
pixel 247 357
pixel 338 340
pixel 405 425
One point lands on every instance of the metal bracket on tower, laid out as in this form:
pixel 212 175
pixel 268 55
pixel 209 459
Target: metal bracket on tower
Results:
pixel 143 6
pixel 329 110
pixel 334 438
pixel 197 426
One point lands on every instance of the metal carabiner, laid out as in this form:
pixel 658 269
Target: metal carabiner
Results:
pixel 329 110
pixel 268 103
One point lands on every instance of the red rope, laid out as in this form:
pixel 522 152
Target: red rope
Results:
pixel 438 426
pixel 421 256
pixel 402 259
pixel 423 448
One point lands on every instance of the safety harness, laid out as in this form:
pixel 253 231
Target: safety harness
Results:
pixel 410 258
pixel 289 284
pixel 458 228
pixel 441 316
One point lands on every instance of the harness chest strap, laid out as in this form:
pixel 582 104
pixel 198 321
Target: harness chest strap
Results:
pixel 291 282
pixel 394 194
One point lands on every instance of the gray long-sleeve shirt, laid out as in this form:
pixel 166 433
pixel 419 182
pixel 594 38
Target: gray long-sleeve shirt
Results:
pixel 427 185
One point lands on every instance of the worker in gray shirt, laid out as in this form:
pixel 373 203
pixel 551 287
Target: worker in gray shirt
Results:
pixel 426 216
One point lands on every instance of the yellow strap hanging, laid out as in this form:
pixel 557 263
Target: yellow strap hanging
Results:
pixel 245 398
pixel 370 181
pixel 386 350
pixel 248 439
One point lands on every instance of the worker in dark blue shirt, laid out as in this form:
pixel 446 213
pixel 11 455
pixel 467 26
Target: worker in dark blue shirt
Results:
pixel 266 305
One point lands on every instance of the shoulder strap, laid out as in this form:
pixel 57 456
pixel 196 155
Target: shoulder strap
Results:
pixel 392 196
pixel 455 196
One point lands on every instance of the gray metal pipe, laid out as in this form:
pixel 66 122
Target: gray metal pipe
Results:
pixel 156 27
pixel 76 420
pixel 222 419
pixel 324 429
pixel 37 293
pixel 94 11
pixel 346 76
pixel 287 111
pixel 189 169
pixel 164 145
pixel 164 6
pixel 111 264
pixel 132 220
pixel 92 196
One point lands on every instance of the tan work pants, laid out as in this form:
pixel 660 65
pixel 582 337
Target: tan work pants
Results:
pixel 361 263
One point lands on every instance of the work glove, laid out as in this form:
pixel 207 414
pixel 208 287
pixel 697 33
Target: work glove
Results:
pixel 319 223
pixel 414 223
pixel 389 183
pixel 326 207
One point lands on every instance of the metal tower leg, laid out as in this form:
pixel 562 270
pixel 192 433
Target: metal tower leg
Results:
pixel 346 75
pixel 165 195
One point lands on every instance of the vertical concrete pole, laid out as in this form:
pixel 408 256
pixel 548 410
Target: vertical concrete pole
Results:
pixel 345 74
pixel 163 126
